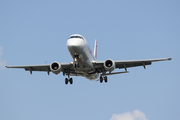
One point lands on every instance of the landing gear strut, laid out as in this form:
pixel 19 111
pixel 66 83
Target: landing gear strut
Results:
pixel 76 64
pixel 68 80
pixel 103 78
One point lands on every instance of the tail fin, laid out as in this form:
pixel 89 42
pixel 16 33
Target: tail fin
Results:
pixel 95 49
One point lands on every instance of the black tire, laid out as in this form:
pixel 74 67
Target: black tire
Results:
pixel 105 79
pixel 71 81
pixel 66 81
pixel 101 79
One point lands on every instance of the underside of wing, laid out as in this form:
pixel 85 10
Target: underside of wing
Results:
pixel 33 67
pixel 65 68
pixel 100 65
pixel 135 63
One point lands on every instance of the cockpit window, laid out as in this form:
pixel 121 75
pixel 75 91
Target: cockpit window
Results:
pixel 76 37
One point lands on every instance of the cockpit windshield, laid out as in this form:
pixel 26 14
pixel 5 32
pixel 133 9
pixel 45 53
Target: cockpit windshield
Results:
pixel 76 37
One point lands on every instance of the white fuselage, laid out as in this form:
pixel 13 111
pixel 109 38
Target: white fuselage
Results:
pixel 82 58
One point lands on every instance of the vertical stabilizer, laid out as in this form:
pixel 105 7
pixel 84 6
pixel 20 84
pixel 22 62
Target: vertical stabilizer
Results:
pixel 95 49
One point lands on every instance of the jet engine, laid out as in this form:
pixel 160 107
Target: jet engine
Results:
pixel 55 67
pixel 109 65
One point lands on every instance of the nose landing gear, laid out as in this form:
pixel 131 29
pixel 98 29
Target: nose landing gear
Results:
pixel 76 64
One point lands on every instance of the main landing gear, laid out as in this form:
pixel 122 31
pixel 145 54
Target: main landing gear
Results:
pixel 70 80
pixel 103 78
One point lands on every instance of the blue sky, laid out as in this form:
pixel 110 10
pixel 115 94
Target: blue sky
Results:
pixel 36 31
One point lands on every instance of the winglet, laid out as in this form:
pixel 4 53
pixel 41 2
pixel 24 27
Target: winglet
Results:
pixel 169 58
pixel 95 49
pixel 5 64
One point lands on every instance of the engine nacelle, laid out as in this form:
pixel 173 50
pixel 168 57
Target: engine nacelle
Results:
pixel 109 65
pixel 55 67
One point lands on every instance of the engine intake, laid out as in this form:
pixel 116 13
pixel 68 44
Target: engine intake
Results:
pixel 109 65
pixel 55 67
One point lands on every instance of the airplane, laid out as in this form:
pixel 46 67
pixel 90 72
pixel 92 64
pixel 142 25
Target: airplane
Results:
pixel 85 64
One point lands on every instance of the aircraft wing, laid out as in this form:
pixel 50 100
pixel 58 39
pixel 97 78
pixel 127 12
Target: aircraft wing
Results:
pixel 45 68
pixel 99 65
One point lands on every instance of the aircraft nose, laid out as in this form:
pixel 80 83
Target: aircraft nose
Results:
pixel 73 43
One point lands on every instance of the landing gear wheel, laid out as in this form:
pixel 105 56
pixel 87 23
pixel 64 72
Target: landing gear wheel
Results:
pixel 71 81
pixel 101 79
pixel 66 81
pixel 105 79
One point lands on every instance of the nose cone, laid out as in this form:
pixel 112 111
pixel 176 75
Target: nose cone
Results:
pixel 73 42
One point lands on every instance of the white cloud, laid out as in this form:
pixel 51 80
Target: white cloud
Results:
pixel 135 115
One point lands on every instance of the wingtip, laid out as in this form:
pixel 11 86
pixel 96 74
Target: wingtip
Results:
pixel 169 59
pixel 5 64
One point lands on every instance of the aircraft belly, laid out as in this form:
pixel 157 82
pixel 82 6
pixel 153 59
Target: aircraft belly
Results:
pixel 85 67
pixel 85 64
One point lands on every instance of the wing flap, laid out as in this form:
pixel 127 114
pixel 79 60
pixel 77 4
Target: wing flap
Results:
pixel 114 73
pixel 132 64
